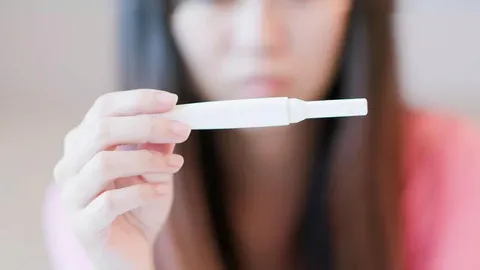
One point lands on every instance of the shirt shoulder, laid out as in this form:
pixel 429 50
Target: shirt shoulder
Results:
pixel 441 197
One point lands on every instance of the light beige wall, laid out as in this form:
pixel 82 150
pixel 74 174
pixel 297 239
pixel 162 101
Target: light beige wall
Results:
pixel 57 56
pixel 440 60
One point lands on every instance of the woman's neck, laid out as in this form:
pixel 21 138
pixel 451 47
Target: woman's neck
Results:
pixel 266 177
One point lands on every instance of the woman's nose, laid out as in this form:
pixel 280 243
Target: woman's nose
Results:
pixel 257 27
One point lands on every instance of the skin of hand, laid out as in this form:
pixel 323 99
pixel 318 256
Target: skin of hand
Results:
pixel 116 176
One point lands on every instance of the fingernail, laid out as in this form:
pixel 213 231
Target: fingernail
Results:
pixel 175 161
pixel 167 98
pixel 179 129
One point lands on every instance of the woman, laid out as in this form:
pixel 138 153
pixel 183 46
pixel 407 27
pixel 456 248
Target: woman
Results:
pixel 394 190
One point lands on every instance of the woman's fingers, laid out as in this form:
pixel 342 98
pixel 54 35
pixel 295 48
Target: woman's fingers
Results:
pixel 112 131
pixel 104 209
pixel 120 118
pixel 132 102
pixel 107 166
pixel 120 159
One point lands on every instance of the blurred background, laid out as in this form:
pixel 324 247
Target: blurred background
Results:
pixel 57 56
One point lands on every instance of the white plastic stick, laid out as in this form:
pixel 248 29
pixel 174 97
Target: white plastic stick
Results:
pixel 262 112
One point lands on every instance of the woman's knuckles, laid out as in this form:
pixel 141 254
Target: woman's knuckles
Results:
pixel 115 164
pixel 110 131
pixel 131 102
pixel 62 171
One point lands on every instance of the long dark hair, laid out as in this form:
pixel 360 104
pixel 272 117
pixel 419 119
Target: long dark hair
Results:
pixel 352 217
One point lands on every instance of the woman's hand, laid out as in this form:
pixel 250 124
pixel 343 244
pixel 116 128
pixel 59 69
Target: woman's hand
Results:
pixel 116 176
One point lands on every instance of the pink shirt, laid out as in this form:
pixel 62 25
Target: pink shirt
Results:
pixel 442 196
pixel 441 200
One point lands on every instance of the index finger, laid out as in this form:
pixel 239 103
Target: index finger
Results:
pixel 131 102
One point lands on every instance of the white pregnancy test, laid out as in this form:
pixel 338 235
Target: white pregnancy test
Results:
pixel 262 112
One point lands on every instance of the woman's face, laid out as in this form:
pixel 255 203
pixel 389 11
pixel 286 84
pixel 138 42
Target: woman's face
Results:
pixel 261 48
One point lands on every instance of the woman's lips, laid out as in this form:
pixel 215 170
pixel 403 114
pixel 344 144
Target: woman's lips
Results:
pixel 264 86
